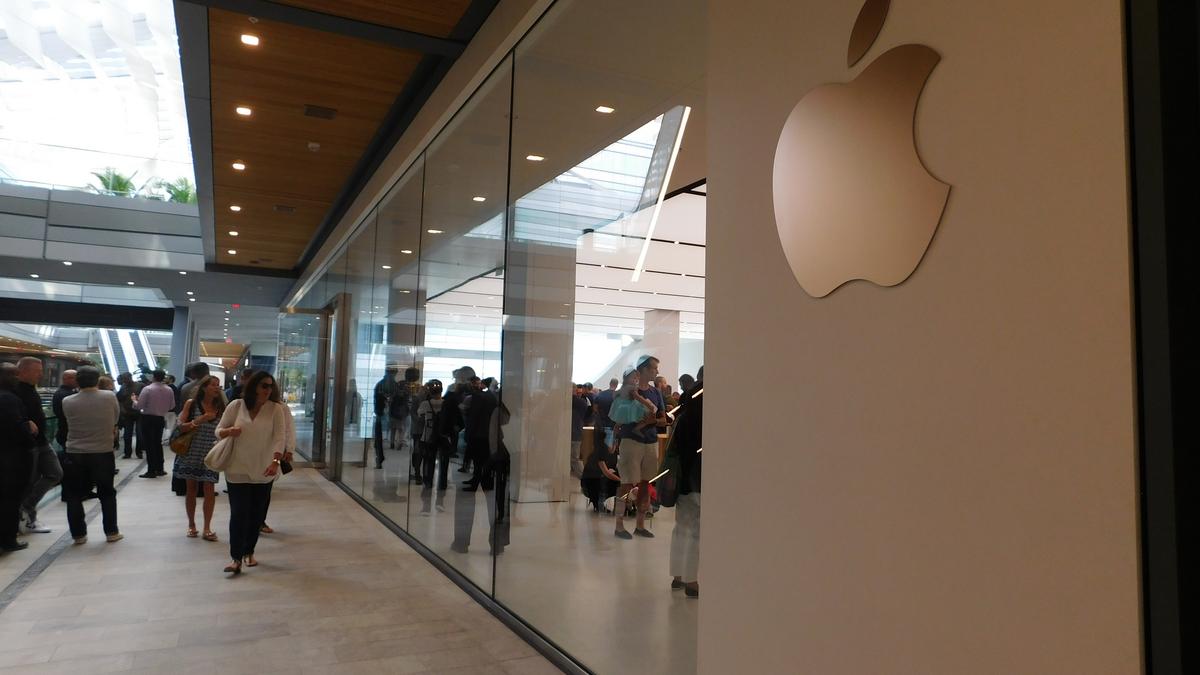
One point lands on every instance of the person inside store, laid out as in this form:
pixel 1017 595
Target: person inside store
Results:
pixel 154 402
pixel 478 416
pixel 637 458
pixel 688 442
pixel 92 415
pixel 65 389
pixel 601 405
pixel 579 408
pixel 399 417
pixel 47 471
pixel 256 424
pixel 381 398
pixel 686 382
pixel 454 403
pixel 126 395
pixel 18 439
pixel 199 418
pixel 434 446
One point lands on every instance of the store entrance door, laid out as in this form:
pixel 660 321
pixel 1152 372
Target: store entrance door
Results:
pixel 333 371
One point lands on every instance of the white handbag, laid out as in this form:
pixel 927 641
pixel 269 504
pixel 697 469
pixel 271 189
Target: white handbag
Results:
pixel 221 455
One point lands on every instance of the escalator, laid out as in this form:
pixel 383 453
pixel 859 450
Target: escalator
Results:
pixel 123 351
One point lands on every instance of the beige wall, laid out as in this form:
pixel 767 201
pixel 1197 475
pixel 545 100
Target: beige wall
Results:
pixel 938 477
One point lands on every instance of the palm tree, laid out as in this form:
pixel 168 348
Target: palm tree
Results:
pixel 113 182
pixel 179 190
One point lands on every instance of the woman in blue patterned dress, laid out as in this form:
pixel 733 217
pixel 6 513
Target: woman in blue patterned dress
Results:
pixel 200 415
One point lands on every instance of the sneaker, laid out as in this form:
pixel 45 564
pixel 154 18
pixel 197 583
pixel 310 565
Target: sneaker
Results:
pixel 643 532
pixel 79 541
pixel 14 546
pixel 116 536
pixel 623 534
pixel 32 525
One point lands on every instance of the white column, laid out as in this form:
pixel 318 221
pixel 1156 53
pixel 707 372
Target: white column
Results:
pixel 661 340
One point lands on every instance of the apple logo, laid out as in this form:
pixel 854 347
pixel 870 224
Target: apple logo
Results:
pixel 852 198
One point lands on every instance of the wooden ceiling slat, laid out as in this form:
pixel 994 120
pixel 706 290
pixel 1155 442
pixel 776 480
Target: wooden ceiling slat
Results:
pixel 431 17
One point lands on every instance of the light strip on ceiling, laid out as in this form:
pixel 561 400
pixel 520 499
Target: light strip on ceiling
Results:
pixel 662 195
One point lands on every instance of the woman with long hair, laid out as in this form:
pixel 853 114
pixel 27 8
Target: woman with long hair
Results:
pixel 256 425
pixel 200 415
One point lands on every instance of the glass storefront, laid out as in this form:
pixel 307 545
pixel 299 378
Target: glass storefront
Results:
pixel 531 247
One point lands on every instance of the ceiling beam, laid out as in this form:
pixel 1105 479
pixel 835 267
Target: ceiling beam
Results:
pixel 329 23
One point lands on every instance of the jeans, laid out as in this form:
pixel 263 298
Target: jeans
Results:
pixel 129 427
pixel 248 504
pixel 685 539
pixel 150 441
pixel 46 473
pixel 97 469
pixel 15 466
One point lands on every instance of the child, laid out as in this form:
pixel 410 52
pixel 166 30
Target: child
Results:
pixel 629 406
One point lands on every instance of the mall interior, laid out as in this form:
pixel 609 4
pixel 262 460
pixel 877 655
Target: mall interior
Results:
pixel 941 290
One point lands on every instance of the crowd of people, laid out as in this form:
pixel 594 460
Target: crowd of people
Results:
pixel 93 416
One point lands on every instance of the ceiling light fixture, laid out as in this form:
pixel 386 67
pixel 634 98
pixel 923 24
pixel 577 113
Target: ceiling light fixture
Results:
pixel 479 199
pixel 68 263
pixel 35 276
pixel 605 109
pixel 386 267
pixel 233 233
pixel 250 39
pixel 191 299
pixel 406 292
pixel 129 283
pixel 406 251
pixel 244 111
pixel 434 231
pixel 662 194
pixel 235 208
pixel 191 293
pixel 232 251
pixel 239 166
pixel 535 158
pixel 183 273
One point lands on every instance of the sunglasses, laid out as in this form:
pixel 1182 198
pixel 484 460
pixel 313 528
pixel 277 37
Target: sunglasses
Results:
pixel 265 385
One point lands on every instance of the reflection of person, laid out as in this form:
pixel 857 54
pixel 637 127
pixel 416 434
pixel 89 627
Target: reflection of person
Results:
pixel 18 438
pixel 353 402
pixel 257 426
pixel 688 442
pixel 479 415
pixel 579 408
pixel 434 445
pixel 637 461
pixel 93 415
pixel 200 415
pixel 495 486
pixel 380 399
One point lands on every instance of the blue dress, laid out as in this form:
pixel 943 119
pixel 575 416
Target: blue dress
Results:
pixel 191 466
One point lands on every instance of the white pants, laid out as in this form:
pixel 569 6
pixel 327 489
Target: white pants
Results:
pixel 685 539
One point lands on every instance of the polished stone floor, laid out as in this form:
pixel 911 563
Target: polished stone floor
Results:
pixel 335 592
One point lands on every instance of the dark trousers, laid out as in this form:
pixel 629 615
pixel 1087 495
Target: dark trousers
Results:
pixel 597 489
pixel 477 453
pixel 150 441
pixel 15 466
pixel 90 469
pixel 248 504
pixel 378 440
pixel 430 455
pixel 129 427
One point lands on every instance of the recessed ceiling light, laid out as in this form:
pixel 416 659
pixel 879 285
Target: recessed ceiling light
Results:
pixel 386 267
pixel 232 251
pixel 191 293
pixel 235 208
pixel 129 283
pixel 605 109
pixel 249 39
pixel 534 158
pixel 406 251
pixel 434 231
pixel 184 273
pixel 479 199
pixel 191 299
pixel 239 166
pixel 35 276
pixel 406 291
pixel 68 263
pixel 244 110
pixel 233 233
pixel 226 311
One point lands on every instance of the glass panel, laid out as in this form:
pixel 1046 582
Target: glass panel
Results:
pixel 361 310
pixel 595 137
pixel 395 344
pixel 461 287
pixel 334 387
pixel 300 349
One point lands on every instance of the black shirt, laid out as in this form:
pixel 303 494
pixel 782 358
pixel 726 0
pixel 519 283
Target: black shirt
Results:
pixel 579 407
pixel 479 414
pixel 14 433
pixel 33 409
pixel 689 438
pixel 62 392
pixel 604 401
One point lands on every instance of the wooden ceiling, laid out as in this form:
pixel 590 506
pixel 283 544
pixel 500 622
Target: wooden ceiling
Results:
pixel 289 185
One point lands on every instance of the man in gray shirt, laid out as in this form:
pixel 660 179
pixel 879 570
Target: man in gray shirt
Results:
pixel 92 417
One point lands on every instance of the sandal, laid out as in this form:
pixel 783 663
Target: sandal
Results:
pixel 234 568
pixel 250 561
pixel 192 533
pixel 209 535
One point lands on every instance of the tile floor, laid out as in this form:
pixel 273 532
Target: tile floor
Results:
pixel 335 592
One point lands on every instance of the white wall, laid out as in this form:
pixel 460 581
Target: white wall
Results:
pixel 944 479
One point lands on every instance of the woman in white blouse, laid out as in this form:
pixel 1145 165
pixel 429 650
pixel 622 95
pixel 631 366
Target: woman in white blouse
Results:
pixel 257 425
